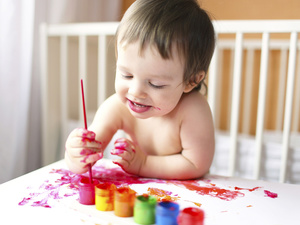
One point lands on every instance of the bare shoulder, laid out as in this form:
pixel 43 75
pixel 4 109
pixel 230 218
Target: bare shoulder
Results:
pixel 196 116
pixel 194 103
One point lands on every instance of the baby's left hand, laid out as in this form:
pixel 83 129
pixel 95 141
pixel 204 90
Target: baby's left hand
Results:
pixel 132 159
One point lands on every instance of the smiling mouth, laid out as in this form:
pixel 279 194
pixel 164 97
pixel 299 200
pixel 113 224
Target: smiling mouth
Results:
pixel 138 108
pixel 138 104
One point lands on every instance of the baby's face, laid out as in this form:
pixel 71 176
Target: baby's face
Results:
pixel 148 84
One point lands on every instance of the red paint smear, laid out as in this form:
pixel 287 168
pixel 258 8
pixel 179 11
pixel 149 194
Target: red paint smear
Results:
pixel 270 194
pixel 247 189
pixel 213 191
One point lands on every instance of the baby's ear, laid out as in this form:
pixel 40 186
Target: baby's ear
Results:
pixel 194 82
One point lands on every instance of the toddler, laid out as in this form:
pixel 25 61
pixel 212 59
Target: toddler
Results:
pixel 163 51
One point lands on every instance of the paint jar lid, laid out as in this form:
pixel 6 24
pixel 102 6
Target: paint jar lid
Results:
pixel 84 182
pixel 105 189
pixel 124 194
pixel 191 216
pixel 167 208
pixel 145 201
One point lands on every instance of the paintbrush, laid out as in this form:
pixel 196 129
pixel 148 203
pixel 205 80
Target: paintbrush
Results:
pixel 85 125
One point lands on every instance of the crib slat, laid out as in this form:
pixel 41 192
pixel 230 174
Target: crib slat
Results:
pixel 230 87
pixel 82 73
pixel 261 103
pixel 237 76
pixel 212 88
pixel 64 86
pixel 219 88
pixel 288 105
pixel 102 70
pixel 296 118
pixel 281 89
pixel 248 91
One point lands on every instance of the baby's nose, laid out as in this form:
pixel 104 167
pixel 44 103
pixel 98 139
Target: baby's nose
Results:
pixel 137 90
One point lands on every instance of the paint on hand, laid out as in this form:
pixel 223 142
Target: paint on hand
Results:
pixel 88 134
pixel 117 151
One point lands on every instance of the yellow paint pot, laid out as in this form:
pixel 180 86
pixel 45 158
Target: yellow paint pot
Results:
pixel 104 196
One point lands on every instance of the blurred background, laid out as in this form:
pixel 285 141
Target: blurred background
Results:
pixel 20 89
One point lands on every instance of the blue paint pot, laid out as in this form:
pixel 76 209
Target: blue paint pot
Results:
pixel 166 213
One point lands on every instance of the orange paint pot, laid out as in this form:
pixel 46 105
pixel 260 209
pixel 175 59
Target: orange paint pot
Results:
pixel 104 198
pixel 124 202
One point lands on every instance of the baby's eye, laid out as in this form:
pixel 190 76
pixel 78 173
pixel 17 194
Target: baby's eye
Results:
pixel 156 86
pixel 126 76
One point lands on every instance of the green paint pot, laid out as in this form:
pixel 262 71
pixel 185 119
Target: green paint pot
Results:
pixel 144 209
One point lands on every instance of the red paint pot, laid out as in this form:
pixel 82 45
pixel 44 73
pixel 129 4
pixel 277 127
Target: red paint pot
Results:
pixel 191 216
pixel 124 202
pixel 87 191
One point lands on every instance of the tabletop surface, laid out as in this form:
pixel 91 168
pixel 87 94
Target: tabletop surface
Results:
pixel 50 196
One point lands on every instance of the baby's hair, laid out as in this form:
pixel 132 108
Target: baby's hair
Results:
pixel 163 23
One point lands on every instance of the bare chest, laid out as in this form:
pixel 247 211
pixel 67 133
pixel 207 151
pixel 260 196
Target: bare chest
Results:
pixel 157 137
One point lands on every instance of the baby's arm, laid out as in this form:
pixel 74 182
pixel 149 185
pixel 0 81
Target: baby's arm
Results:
pixel 85 147
pixel 197 141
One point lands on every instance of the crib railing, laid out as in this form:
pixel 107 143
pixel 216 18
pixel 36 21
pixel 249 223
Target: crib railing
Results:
pixel 94 41
pixel 265 28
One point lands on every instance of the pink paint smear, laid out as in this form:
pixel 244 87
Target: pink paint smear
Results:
pixel 270 194
pixel 67 186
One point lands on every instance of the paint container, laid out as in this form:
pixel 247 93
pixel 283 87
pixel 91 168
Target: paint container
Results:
pixel 87 191
pixel 124 202
pixel 144 209
pixel 191 216
pixel 104 198
pixel 166 213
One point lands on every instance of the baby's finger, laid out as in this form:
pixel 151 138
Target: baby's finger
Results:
pixel 80 152
pixel 81 132
pixel 123 164
pixel 91 159
pixel 80 165
pixel 124 154
pixel 123 143
pixel 117 151
pixel 77 142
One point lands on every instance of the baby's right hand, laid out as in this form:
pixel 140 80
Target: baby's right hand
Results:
pixel 81 150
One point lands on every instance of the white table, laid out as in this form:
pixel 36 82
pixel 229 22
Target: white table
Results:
pixel 251 205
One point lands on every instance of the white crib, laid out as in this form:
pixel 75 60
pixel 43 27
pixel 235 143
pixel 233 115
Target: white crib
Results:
pixel 257 131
